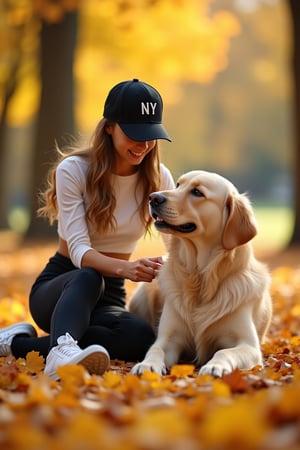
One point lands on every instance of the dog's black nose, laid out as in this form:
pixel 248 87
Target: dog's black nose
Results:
pixel 156 199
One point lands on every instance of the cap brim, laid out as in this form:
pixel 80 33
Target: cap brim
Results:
pixel 144 131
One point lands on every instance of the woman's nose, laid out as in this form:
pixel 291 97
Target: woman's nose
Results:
pixel 144 145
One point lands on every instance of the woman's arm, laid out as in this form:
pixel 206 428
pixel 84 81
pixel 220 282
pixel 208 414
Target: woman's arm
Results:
pixel 70 191
pixel 143 269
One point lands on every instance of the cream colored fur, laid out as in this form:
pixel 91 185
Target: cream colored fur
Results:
pixel 211 299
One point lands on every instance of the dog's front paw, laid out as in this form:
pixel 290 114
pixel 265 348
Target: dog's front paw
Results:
pixel 215 370
pixel 145 366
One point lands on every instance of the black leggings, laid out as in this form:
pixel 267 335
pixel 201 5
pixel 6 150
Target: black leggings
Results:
pixel 87 305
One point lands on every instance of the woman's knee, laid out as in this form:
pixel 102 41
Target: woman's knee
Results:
pixel 90 281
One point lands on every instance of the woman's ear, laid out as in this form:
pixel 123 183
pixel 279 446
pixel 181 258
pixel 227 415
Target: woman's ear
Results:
pixel 241 225
pixel 109 128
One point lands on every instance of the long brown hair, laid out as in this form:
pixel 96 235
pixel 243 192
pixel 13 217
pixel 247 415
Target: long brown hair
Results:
pixel 101 157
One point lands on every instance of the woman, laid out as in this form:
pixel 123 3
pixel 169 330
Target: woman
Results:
pixel 99 197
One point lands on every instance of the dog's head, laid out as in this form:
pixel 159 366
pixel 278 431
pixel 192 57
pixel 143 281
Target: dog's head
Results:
pixel 204 205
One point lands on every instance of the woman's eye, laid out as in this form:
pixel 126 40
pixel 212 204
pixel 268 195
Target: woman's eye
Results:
pixel 197 193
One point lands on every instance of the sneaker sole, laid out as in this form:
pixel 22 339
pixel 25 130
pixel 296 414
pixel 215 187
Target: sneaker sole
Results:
pixel 95 361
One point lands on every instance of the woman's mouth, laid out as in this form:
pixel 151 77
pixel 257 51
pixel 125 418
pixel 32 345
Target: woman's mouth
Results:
pixel 135 154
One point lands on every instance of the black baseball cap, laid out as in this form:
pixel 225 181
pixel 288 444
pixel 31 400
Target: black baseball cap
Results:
pixel 137 108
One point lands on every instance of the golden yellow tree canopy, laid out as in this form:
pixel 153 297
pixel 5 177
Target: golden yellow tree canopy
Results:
pixel 164 42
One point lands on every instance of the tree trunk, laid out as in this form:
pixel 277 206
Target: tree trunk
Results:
pixel 56 114
pixel 295 19
pixel 8 92
pixel 3 148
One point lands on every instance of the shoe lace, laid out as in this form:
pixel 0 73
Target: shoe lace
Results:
pixel 67 345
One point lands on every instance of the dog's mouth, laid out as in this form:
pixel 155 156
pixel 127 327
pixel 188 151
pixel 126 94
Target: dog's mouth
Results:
pixel 161 224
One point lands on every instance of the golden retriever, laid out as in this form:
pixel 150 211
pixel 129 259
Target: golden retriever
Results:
pixel 212 298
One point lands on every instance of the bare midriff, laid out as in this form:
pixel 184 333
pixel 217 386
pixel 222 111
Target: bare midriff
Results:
pixel 63 250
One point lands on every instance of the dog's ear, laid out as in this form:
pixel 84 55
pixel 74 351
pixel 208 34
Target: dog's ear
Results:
pixel 241 225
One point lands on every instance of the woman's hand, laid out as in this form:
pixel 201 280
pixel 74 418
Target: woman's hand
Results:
pixel 144 269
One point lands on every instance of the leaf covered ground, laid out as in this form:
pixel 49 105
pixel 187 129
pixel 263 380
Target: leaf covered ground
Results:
pixel 258 409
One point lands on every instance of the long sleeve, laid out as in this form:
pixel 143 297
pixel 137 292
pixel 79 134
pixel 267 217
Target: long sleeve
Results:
pixel 72 225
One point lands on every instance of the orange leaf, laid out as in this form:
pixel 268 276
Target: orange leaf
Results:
pixel 72 376
pixel 182 370
pixel 220 388
pixel 150 376
pixel 34 362
pixel 235 381
pixel 111 379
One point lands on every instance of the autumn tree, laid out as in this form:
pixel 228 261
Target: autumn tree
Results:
pixel 54 26
pixel 14 55
pixel 295 64
pixel 56 113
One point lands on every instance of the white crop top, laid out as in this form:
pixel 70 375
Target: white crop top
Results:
pixel 72 202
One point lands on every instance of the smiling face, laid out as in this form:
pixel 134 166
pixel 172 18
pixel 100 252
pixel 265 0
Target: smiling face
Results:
pixel 129 153
pixel 197 207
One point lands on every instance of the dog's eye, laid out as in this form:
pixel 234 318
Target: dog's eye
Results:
pixel 197 193
pixel 177 185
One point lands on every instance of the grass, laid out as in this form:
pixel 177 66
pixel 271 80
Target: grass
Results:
pixel 275 228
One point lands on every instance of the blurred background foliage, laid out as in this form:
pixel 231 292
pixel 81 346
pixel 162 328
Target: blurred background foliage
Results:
pixel 222 67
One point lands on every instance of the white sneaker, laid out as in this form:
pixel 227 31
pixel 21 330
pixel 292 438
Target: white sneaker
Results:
pixel 94 358
pixel 8 333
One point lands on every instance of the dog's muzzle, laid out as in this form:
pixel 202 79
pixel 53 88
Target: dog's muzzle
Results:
pixel 157 204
